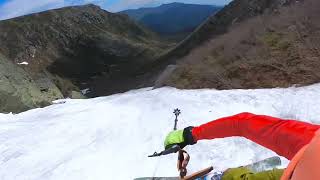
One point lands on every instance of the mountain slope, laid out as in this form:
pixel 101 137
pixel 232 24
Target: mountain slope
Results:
pixel 174 18
pixel 276 49
pixel 235 12
pixel 73 46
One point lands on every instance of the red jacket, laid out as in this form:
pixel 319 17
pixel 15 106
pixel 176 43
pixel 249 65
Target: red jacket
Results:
pixel 285 137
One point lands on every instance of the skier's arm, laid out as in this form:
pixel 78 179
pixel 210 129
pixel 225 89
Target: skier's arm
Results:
pixel 285 137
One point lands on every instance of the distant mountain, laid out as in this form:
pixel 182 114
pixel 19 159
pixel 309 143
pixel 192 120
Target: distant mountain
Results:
pixel 174 18
pixel 52 54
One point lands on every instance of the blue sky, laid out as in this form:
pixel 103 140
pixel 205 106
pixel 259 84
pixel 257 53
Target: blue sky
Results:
pixel 14 8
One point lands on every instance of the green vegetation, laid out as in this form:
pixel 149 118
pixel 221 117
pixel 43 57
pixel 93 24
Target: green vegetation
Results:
pixel 276 41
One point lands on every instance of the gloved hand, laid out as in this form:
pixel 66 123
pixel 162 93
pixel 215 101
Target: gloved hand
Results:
pixel 179 137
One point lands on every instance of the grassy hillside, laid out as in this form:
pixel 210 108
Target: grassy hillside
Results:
pixel 279 48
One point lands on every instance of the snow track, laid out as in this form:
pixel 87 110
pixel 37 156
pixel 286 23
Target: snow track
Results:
pixel 110 137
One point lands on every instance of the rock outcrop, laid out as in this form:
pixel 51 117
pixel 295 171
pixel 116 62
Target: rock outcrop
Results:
pixel 19 92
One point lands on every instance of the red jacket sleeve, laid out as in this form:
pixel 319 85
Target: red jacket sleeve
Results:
pixel 285 137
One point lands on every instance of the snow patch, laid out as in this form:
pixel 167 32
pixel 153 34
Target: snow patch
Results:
pixel 23 63
pixel 85 91
pixel 111 137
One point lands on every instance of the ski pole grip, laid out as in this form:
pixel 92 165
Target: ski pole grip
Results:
pixel 198 174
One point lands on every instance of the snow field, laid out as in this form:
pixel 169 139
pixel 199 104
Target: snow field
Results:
pixel 111 137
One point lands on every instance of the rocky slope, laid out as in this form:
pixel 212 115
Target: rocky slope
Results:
pixel 278 48
pixel 67 49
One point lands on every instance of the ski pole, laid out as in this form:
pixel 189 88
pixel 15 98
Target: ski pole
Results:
pixel 174 148
pixel 183 156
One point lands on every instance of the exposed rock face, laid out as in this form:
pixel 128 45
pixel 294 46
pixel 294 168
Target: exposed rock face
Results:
pixel 67 49
pixel 76 95
pixel 280 48
pixel 18 92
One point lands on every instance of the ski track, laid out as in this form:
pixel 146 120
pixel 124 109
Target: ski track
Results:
pixel 110 137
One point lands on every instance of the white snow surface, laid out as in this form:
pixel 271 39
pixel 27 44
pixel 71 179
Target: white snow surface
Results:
pixel 23 63
pixel 110 137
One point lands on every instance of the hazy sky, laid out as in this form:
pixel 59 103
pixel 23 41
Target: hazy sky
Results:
pixel 14 8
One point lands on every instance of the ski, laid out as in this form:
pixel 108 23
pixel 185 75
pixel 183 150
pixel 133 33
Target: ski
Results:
pixel 266 164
